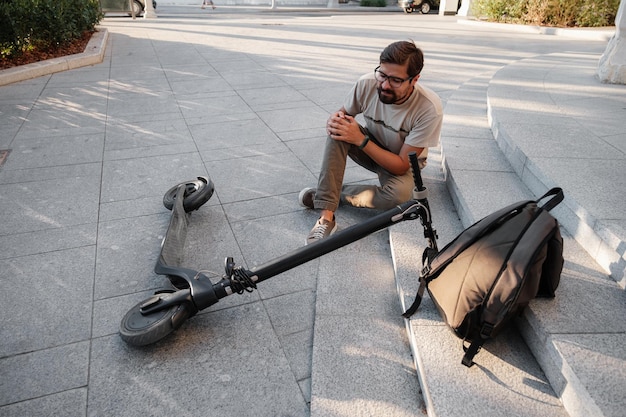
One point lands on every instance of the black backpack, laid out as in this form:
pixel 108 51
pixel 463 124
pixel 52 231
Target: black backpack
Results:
pixel 489 272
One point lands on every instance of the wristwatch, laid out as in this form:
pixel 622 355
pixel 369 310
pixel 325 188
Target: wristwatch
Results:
pixel 364 143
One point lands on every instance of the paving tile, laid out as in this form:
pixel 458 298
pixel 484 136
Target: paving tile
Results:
pixel 55 151
pixel 291 313
pixel 30 132
pixel 134 83
pixel 264 207
pixel 601 182
pixel 330 94
pixel 132 135
pixel 377 347
pixel 23 91
pixel 546 141
pixel 239 80
pixel 182 71
pixel 474 154
pixel 350 290
pixel 454 389
pixel 310 151
pixel 295 118
pixel 486 200
pixel 59 117
pixel 129 104
pixel 13 113
pixel 72 403
pixel 60 285
pixel 298 349
pixel 237 66
pixel 261 98
pixel 44 372
pixel 243 133
pixel 135 68
pixel 194 85
pixel 272 148
pixel 282 234
pixel 36 205
pixel 256 177
pixel 229 348
pixel 581 281
pixel 585 354
pixel 129 179
pixel 75 99
pixel 95 76
pixel 51 173
pixel 127 252
pixel 47 240
pixel 173 55
pixel 197 109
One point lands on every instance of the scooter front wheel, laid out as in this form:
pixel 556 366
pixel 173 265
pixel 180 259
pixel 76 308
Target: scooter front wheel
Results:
pixel 197 192
pixel 139 329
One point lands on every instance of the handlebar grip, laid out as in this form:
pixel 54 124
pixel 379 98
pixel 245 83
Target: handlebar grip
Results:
pixel 417 175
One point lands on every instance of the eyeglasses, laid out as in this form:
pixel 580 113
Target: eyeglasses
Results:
pixel 394 82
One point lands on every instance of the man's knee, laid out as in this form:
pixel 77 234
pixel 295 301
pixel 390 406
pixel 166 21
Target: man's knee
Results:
pixel 389 198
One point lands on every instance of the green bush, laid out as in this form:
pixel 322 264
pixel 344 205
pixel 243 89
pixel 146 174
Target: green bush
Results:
pixel 43 24
pixel 373 3
pixel 598 13
pixel 562 13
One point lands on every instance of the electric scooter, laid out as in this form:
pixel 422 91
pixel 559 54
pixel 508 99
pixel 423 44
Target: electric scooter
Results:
pixel 192 291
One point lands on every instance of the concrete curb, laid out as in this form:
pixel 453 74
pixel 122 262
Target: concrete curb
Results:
pixel 589 34
pixel 93 54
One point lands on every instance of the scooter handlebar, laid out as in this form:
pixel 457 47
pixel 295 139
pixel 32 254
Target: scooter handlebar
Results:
pixel 419 192
pixel 417 176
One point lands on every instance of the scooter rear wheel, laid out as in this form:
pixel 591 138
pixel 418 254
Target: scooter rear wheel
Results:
pixel 138 329
pixel 197 192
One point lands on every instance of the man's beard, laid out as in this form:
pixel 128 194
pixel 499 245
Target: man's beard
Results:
pixel 389 97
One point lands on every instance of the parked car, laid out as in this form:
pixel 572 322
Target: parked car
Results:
pixel 422 6
pixel 124 6
pixel 140 5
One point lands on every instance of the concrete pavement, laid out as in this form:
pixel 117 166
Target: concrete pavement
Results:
pixel 243 96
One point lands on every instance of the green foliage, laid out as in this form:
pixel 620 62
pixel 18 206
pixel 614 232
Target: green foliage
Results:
pixel 598 13
pixel 373 3
pixel 562 13
pixel 41 24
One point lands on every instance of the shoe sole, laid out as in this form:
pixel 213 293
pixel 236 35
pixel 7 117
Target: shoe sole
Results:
pixel 301 196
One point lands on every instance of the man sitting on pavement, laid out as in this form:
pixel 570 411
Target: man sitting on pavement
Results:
pixel 401 116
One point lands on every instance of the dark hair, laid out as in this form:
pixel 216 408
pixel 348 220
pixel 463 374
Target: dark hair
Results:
pixel 403 52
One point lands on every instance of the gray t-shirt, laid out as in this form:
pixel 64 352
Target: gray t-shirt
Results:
pixel 416 122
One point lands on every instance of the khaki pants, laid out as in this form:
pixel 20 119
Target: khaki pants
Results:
pixel 393 189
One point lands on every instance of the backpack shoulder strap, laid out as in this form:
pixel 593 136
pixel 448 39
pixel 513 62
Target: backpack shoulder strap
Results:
pixel 470 235
pixel 471 351
pixel 418 300
pixel 427 256
pixel 557 197
pixel 434 263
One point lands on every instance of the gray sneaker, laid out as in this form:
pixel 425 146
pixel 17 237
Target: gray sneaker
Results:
pixel 306 197
pixel 323 228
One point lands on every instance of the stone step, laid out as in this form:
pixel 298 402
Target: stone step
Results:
pixel 361 361
pixel 550 137
pixel 506 379
pixel 557 125
pixel 577 338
